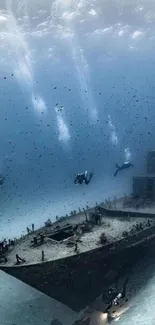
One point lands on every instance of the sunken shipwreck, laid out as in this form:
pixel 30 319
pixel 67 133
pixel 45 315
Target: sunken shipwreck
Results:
pixel 75 257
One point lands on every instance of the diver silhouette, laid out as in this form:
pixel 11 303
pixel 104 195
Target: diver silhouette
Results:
pixel 124 166
pixel 113 296
pixel 83 178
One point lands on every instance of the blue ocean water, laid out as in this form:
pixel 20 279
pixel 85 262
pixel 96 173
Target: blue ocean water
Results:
pixel 76 93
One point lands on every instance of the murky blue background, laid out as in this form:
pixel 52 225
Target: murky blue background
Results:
pixel 76 93
pixel 96 60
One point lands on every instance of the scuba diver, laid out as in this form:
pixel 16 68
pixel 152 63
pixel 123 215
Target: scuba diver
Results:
pixel 83 178
pixel 113 296
pixel 124 166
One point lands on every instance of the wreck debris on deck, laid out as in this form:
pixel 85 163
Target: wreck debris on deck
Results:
pixel 80 233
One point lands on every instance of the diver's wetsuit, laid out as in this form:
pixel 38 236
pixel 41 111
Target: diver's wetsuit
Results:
pixel 83 178
pixel 116 296
pixel 124 166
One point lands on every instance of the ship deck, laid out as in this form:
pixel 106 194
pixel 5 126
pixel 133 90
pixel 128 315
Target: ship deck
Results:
pixel 113 229
pixel 131 204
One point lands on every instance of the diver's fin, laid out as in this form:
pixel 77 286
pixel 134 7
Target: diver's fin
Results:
pixel 115 174
pixel 117 166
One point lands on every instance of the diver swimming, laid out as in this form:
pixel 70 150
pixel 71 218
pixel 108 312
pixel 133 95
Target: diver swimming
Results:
pixel 124 166
pixel 113 296
pixel 83 178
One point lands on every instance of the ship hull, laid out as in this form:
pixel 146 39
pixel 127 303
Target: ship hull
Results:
pixel 77 280
pixel 125 214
